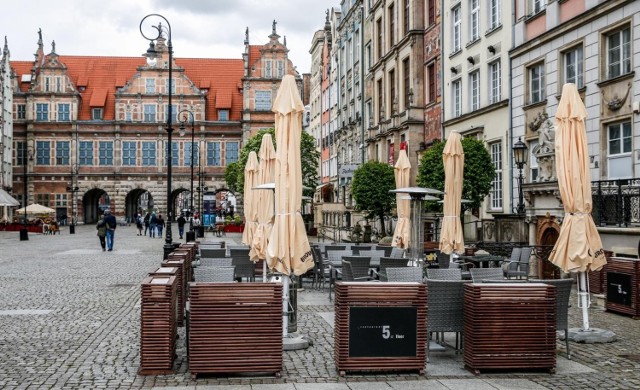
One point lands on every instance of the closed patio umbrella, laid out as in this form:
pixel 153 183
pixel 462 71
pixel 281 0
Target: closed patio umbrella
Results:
pixel 451 238
pixel 266 170
pixel 250 199
pixel 402 233
pixel 579 248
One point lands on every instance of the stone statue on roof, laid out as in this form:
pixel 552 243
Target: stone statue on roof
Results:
pixel 273 27
pixel 53 46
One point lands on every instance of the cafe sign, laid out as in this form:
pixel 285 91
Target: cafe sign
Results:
pixel 347 170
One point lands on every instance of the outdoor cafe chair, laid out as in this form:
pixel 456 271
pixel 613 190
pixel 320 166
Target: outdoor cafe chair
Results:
pixel 320 269
pixel 360 266
pixel 245 268
pixel 563 292
pixel 404 274
pixel 518 265
pixel 239 251
pixel 478 275
pixel 334 247
pixel 445 302
pixel 388 262
pixel 386 248
pixel 212 252
pixel 334 262
pixel 350 275
pixel 216 261
pixel 357 248
pixel 214 274
pixel 374 255
pixel 397 253
pixel 444 274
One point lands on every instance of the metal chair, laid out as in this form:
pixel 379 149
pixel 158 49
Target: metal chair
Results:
pixel 563 292
pixel 444 274
pixel 478 275
pixel 445 302
pixel 320 269
pixel 518 265
pixel 404 274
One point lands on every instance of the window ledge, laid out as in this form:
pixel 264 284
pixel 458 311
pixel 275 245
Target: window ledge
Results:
pixel 616 79
pixel 471 43
pixel 493 30
pixel 455 53
pixel 531 17
pixel 528 106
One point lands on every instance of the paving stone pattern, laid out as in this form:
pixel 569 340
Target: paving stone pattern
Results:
pixel 70 318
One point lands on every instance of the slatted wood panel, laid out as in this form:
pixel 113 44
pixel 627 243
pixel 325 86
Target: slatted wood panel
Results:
pixel 181 288
pixel 626 266
pixel 235 327
pixel 509 326
pixel 158 329
pixel 165 272
pixel 176 255
pixel 386 295
pixel 192 247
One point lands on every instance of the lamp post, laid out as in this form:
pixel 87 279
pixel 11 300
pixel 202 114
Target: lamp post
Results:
pixel 520 158
pixel 152 55
pixel 73 188
pixel 24 232
pixel 183 119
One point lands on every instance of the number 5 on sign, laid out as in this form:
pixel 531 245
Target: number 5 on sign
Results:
pixel 386 333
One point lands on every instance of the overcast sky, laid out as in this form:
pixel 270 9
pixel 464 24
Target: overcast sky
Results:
pixel 199 28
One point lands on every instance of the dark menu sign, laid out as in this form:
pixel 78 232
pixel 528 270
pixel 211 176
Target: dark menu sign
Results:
pixel 619 288
pixel 383 331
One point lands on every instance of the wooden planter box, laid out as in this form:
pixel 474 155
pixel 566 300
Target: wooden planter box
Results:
pixel 234 228
pixel 380 327
pixel 623 286
pixel 235 328
pixel 509 326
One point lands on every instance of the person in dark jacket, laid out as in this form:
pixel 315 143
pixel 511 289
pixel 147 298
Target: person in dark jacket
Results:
pixel 159 225
pixel 146 222
pixel 111 223
pixel 102 233
pixel 181 222
pixel 152 225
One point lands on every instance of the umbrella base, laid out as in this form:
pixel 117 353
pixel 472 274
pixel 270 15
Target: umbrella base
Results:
pixel 591 336
pixel 294 342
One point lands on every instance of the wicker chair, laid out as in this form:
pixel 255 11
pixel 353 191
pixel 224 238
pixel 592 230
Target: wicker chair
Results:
pixel 563 292
pixel 320 269
pixel 357 248
pixel 518 265
pixel 444 274
pixel 404 274
pixel 388 262
pixel 334 262
pixel 445 302
pixel 334 247
pixel 374 255
pixel 239 251
pixel 350 275
pixel 216 261
pixel 478 275
pixel 206 253
pixel 386 248
pixel 214 274
pixel 396 253
pixel 360 266
pixel 245 268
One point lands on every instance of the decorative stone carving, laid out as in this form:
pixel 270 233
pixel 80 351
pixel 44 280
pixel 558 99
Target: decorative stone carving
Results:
pixel 616 103
pixel 535 124
pixel 545 153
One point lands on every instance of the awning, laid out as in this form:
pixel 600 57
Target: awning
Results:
pixel 321 186
pixel 7 200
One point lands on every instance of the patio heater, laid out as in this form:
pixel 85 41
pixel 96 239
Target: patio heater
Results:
pixel 417 195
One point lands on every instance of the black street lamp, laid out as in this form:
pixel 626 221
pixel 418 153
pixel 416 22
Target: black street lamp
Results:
pixel 73 189
pixel 183 119
pixel 152 55
pixel 24 232
pixel 520 158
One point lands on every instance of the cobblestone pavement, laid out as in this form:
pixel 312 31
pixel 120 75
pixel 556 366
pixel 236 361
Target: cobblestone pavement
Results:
pixel 70 318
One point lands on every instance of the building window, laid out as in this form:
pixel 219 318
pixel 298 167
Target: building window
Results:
pixel 43 199
pixel 149 112
pixel 495 82
pixel 175 154
pixel 407 13
pixel 268 71
pixel 58 84
pixel 536 83
pixel 456 94
pixel 61 200
pixel 496 184
pixel 150 86
pixel 380 37
pixel 173 85
pixel 105 151
pixel 280 69
pixel 380 100
pixel 537 6
pixel 20 153
pixel 62 152
pixel 173 113
pixel 231 152
pixel 533 161
pixel 213 154
pixel 187 154
pixel 148 154
pixel 263 100
pixel 96 113
pixel 494 14
pixel 431 10
pixel 392 25
pixel 64 112
pixel 475 20
pixel 22 111
pixel 47 84
pixel 86 153
pixel 223 115
pixel 619 52
pixel 392 91
pixel 432 84
pixel 407 83
pixel 474 87
pixel 129 153
pixel 457 29
pixel 42 112
pixel 573 66
pixel 619 150
pixel 43 153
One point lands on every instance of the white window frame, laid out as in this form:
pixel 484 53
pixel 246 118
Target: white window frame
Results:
pixel 150 85
pixel 622 65
pixel 474 90
pixel 623 158
pixel 474 23
pixel 537 6
pixel 536 78
pixel 495 82
pixel 495 14
pixel 456 16
pixel 456 97
pixel 533 162
pixel 496 183
pixel 573 61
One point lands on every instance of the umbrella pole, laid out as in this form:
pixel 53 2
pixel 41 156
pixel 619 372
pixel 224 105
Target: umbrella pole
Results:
pixel 585 301
pixel 264 271
pixel 285 305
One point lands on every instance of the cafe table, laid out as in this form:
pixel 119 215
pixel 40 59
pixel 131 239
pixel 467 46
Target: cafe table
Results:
pixel 482 261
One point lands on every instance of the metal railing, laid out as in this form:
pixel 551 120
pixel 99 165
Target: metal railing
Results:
pixel 616 202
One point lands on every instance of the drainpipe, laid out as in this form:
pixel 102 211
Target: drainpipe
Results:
pixel 510 129
pixel 442 45
pixel 362 82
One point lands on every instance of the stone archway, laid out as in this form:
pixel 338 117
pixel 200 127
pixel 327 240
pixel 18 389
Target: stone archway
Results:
pixel 94 202
pixel 137 200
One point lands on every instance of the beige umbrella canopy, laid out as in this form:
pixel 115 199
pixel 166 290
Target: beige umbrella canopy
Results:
pixel 35 208
pixel 402 233
pixel 451 238
pixel 579 247
pixel 250 199
pixel 288 247
pixel 266 170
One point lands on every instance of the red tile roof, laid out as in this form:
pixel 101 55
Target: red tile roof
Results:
pixel 98 97
pixel 223 99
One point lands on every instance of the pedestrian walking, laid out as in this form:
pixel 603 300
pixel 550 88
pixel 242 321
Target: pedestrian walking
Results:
pixel 139 223
pixel 181 222
pixel 111 224
pixel 195 223
pixel 159 225
pixel 102 233
pixel 146 222
pixel 152 225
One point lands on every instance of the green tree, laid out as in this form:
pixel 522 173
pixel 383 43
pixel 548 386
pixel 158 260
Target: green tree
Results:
pixel 478 170
pixel 309 155
pixel 370 188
